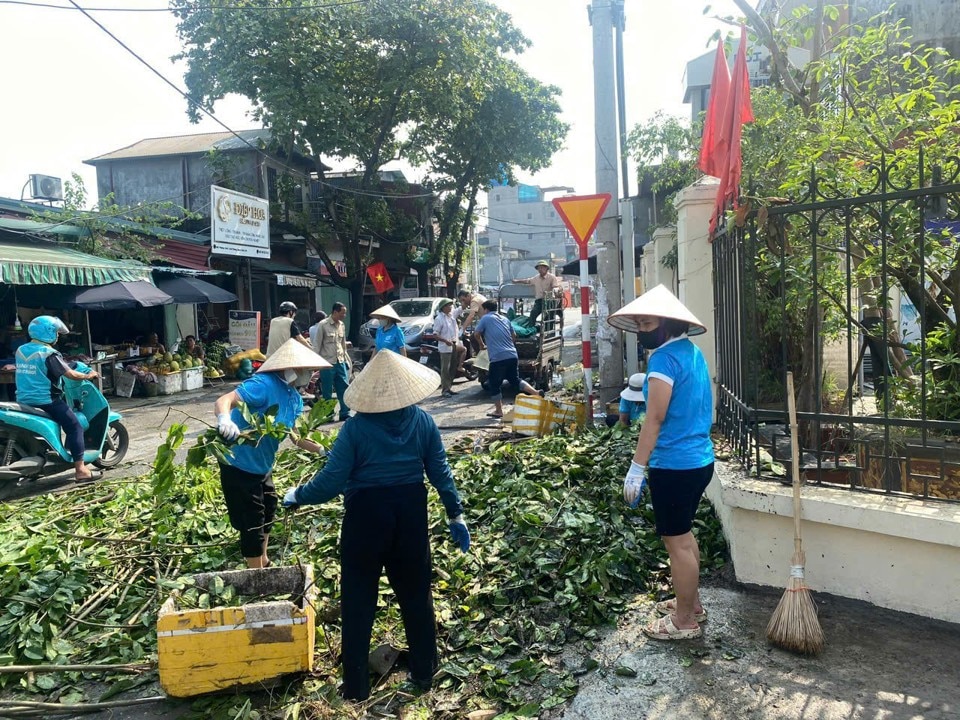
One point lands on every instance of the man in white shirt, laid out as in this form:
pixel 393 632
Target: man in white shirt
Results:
pixel 544 283
pixel 445 328
pixel 318 318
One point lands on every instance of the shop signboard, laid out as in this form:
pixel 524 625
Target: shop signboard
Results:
pixel 240 224
pixel 244 326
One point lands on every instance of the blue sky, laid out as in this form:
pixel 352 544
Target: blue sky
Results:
pixel 71 93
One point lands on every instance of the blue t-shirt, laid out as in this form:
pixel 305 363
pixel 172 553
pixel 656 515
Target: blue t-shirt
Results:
pixel 375 450
pixel 391 339
pixel 259 393
pixel 497 336
pixel 636 409
pixel 684 440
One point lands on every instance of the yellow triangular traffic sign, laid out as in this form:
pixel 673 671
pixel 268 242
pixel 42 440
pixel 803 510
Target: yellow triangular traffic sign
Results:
pixel 581 214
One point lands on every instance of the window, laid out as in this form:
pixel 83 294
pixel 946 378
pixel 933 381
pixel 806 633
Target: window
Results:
pixel 552 235
pixel 529 236
pixel 529 216
pixel 553 213
pixel 497 197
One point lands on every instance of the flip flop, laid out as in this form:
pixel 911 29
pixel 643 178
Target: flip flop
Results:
pixel 668 607
pixel 494 415
pixel 662 628
pixel 94 475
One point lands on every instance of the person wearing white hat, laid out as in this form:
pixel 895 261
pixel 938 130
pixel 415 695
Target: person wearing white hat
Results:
pixel 378 463
pixel 245 476
pixel 633 408
pixel 389 334
pixel 544 283
pixel 674 451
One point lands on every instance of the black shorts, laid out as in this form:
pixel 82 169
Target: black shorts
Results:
pixel 675 495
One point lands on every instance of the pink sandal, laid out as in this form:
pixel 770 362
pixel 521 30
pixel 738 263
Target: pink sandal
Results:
pixel 662 628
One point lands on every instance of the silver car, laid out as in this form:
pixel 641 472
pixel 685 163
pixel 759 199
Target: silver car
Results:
pixel 417 315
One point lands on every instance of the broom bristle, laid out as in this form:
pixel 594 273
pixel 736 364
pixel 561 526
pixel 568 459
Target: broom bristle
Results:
pixel 794 625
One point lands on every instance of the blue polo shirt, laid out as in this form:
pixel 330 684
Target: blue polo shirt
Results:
pixel 260 393
pixel 391 339
pixel 636 409
pixel 497 336
pixel 684 440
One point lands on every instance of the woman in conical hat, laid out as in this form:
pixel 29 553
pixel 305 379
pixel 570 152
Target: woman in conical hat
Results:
pixel 674 453
pixel 389 334
pixel 245 477
pixel 377 464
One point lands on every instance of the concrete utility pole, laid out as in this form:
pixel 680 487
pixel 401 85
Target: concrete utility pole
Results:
pixel 604 16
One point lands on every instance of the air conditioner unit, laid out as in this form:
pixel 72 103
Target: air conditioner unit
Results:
pixel 46 187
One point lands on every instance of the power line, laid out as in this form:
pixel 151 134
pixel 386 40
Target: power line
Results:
pixel 232 8
pixel 217 120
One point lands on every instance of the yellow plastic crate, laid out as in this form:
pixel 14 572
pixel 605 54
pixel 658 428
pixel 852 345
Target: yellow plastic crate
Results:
pixel 201 651
pixel 535 416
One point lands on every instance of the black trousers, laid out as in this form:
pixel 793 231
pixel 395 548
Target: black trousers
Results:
pixel 252 506
pixel 386 528
pixel 537 309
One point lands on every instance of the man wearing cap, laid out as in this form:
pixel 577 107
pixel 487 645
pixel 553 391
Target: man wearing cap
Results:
pixel 674 451
pixel 283 327
pixel 544 283
pixel 332 347
pixel 245 476
pixel 445 328
pixel 378 463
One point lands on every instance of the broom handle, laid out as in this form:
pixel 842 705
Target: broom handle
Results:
pixel 794 461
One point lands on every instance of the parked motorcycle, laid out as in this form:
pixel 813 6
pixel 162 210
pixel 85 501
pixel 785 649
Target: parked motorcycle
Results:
pixel 430 356
pixel 31 440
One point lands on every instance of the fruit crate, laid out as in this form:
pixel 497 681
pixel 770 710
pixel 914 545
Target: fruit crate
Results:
pixel 170 383
pixel 192 378
pixel 201 651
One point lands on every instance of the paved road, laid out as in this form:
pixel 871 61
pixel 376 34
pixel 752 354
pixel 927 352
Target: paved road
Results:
pixel 148 419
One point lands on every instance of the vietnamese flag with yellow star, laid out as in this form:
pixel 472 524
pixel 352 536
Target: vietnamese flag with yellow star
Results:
pixel 380 277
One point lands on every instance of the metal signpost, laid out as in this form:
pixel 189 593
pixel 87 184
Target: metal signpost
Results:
pixel 581 214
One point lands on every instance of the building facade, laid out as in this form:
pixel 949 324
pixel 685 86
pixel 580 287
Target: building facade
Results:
pixel 522 228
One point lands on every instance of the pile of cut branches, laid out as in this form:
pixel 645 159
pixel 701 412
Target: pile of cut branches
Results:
pixel 556 554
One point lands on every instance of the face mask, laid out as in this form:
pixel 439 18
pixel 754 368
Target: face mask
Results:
pixel 652 339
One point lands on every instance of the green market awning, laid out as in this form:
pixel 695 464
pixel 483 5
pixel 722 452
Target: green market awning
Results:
pixel 44 264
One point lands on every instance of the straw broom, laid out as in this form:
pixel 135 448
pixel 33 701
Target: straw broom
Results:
pixel 794 625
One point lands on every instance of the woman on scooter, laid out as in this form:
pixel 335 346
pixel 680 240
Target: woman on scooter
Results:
pixel 40 372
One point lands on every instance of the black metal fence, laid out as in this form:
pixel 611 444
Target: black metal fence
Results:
pixel 852 287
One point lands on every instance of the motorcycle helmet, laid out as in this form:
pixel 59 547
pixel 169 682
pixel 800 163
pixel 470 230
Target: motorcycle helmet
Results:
pixel 46 328
pixel 287 307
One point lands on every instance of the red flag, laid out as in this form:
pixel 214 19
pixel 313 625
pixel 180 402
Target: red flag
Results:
pixel 710 162
pixel 739 111
pixel 380 277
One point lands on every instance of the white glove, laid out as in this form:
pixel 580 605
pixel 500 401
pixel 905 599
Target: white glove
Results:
pixel 634 484
pixel 290 498
pixel 227 427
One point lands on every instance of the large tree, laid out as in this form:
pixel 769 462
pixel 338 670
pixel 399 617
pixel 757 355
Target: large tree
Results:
pixel 368 83
pixel 869 98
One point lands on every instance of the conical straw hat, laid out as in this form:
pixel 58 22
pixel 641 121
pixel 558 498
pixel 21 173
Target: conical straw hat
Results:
pixel 390 382
pixel 296 355
pixel 386 312
pixel 658 302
